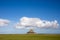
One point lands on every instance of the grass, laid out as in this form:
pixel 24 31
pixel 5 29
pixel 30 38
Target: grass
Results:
pixel 29 36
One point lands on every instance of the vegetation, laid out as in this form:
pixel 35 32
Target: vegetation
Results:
pixel 29 36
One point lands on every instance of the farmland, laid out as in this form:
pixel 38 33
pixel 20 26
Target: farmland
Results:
pixel 29 36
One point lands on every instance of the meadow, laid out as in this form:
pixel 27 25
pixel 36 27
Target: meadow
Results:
pixel 29 36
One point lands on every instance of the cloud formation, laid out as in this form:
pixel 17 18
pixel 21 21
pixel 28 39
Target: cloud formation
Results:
pixel 26 22
pixel 4 22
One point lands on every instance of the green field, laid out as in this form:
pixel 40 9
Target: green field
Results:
pixel 29 36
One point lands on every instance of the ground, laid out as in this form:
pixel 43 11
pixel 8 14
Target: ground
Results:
pixel 29 36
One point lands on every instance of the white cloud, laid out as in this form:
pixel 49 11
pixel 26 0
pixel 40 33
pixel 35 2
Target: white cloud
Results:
pixel 26 22
pixel 4 22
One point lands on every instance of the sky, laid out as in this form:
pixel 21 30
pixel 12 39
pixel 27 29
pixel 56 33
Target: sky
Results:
pixel 12 12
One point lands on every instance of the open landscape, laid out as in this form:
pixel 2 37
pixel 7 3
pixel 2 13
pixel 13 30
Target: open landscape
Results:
pixel 29 36
pixel 29 19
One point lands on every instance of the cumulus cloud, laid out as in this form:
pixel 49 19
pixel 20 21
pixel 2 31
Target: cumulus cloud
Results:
pixel 26 22
pixel 4 22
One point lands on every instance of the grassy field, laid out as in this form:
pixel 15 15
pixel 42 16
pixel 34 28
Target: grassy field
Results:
pixel 29 36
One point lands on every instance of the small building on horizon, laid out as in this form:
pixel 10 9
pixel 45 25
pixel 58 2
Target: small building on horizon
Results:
pixel 31 32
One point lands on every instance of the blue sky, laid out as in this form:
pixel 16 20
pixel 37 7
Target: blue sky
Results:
pixel 15 9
